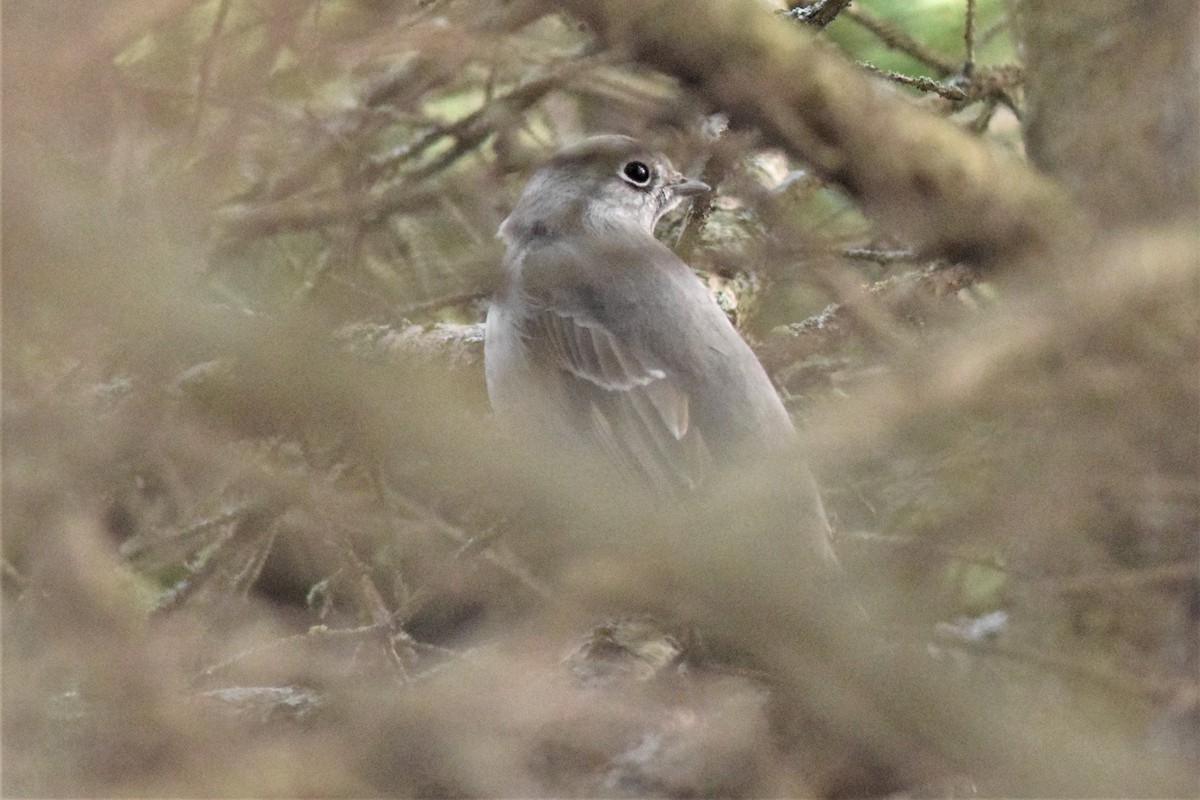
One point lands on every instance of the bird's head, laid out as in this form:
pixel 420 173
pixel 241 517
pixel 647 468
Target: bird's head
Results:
pixel 602 183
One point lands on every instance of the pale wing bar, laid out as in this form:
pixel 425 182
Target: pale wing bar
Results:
pixel 639 417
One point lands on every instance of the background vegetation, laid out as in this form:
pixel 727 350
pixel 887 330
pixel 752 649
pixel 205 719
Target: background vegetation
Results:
pixel 260 536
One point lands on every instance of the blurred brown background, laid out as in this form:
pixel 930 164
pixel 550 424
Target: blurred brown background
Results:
pixel 261 538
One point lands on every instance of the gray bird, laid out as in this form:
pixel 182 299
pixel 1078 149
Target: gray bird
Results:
pixel 602 338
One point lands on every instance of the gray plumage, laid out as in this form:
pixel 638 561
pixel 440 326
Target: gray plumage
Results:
pixel 602 338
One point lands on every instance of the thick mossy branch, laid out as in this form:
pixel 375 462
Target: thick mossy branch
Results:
pixel 949 191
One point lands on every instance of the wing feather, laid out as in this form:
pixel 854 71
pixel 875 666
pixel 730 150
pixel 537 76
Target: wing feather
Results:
pixel 628 404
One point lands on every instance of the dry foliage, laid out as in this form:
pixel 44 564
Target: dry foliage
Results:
pixel 261 537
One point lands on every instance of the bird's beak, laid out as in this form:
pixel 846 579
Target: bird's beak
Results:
pixel 689 186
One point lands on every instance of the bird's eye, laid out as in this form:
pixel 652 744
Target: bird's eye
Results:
pixel 637 173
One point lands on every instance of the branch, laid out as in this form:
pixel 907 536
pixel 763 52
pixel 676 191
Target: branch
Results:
pixel 951 93
pixel 897 39
pixel 820 13
pixel 969 40
pixel 957 196
pixel 912 296
pixel 405 192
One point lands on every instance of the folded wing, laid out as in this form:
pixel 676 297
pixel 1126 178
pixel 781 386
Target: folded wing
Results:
pixel 620 398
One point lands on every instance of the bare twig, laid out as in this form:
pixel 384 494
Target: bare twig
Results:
pixel 255 521
pixel 969 41
pixel 879 256
pixel 819 13
pixel 403 192
pixel 716 169
pixel 952 93
pixel 318 632
pixel 254 220
pixel 986 112
pixel 492 552
pixel 872 318
pixel 898 39
pixel 419 307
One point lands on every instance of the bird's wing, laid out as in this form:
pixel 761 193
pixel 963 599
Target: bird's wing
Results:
pixel 615 394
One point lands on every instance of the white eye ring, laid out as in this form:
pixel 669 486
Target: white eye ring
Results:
pixel 637 173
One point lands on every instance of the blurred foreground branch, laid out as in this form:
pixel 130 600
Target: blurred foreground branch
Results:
pixel 952 194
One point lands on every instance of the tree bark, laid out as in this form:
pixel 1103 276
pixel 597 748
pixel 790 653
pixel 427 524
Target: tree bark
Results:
pixel 1113 110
